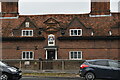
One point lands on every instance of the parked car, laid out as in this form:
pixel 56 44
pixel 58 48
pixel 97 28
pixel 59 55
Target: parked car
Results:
pixel 100 69
pixel 9 72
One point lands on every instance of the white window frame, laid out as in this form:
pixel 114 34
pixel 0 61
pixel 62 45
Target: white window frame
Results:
pixel 27 24
pixel 100 15
pixel 73 55
pixel 92 33
pixel 28 33
pixel 29 55
pixel 0 7
pixel 110 33
pixel 53 41
pixel 77 32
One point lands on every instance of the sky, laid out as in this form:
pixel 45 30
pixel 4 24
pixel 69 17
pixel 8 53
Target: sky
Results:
pixel 41 7
pixel 29 7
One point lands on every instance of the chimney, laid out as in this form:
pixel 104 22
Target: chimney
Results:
pixel 9 8
pixel 100 7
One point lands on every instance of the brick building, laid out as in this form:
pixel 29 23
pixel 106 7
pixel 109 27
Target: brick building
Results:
pixel 60 36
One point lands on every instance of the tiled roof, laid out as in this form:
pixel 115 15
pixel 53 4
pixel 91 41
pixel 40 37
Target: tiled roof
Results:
pixel 101 25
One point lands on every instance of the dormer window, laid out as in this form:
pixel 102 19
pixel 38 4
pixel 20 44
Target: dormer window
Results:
pixel 27 32
pixel 75 32
pixel 26 24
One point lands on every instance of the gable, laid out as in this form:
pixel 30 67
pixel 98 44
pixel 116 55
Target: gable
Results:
pixel 75 23
pixel 52 25
pixel 27 20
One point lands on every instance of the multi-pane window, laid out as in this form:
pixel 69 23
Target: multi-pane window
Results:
pixel 27 55
pixel 75 54
pixel 27 32
pixel 26 24
pixel 75 32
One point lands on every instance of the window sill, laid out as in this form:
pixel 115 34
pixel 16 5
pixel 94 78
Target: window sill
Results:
pixel 27 59
pixel 76 59
pixel 100 15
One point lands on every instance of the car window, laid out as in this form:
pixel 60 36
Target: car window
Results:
pixel 119 64
pixel 101 62
pixel 91 62
pixel 114 64
pixel 2 64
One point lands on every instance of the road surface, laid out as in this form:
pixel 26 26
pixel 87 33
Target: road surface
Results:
pixel 52 78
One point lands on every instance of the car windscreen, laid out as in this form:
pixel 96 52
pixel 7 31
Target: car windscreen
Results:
pixel 3 64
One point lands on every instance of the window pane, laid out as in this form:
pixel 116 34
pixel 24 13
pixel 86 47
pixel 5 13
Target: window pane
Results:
pixel 79 54
pixel 30 33
pixel 31 55
pixel 27 24
pixel 75 54
pixel 79 32
pixel 27 33
pixel 75 32
pixel 27 55
pixel 50 42
pixel 72 55
pixel 23 33
pixel 23 54
pixel 71 32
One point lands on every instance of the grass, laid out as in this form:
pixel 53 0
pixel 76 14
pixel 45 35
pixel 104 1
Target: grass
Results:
pixel 51 74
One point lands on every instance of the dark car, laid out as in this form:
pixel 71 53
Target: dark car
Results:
pixel 8 72
pixel 100 69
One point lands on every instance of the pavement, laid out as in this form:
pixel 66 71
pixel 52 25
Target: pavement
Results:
pixel 76 77
pixel 48 73
pixel 51 78
pixel 51 71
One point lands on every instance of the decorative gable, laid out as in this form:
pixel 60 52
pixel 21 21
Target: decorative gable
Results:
pixel 52 25
pixel 51 21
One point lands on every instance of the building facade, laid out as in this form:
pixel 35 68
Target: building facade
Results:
pixel 60 36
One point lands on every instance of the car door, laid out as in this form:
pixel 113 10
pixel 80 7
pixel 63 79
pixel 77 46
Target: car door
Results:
pixel 115 69
pixel 102 69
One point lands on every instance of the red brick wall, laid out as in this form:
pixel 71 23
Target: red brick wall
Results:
pixel 91 49
pixel 100 7
pixel 9 6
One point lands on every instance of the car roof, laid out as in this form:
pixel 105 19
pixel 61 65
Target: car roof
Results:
pixel 97 60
